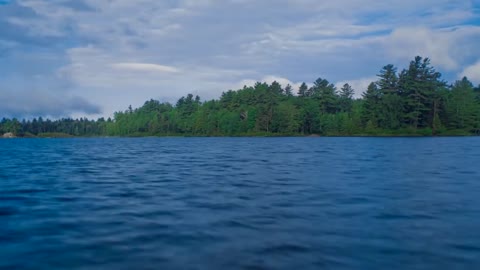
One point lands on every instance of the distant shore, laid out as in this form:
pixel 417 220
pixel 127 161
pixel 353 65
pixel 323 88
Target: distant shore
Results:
pixel 68 136
pixel 414 102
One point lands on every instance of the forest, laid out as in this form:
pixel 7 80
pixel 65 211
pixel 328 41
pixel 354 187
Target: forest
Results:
pixel 415 101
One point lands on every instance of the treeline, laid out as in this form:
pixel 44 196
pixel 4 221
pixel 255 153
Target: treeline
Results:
pixel 58 128
pixel 414 101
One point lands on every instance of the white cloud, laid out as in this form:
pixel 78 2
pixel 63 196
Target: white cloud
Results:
pixel 443 46
pixel 145 67
pixel 359 85
pixel 472 72
pixel 101 75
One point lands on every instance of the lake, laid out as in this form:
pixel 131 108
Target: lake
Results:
pixel 240 203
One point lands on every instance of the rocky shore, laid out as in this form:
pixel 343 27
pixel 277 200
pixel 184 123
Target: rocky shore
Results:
pixel 8 135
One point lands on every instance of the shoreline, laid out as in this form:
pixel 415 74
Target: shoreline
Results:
pixel 246 136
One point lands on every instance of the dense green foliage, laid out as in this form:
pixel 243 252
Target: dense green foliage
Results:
pixel 414 101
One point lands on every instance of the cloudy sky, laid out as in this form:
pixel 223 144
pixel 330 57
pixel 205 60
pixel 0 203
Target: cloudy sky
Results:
pixel 94 57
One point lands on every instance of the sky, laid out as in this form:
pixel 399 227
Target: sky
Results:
pixel 90 58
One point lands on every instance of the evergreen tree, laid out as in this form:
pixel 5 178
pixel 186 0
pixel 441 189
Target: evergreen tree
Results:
pixel 289 91
pixel 302 90
pixel 371 100
pixel 346 98
pixel 325 93
pixel 388 80
pixel 419 85
pixel 390 107
pixel 462 108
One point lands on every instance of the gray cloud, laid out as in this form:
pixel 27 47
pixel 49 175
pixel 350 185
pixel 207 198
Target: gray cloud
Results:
pixel 33 104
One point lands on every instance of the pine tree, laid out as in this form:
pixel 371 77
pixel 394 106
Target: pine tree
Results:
pixel 419 85
pixel 390 107
pixel 371 99
pixel 388 82
pixel 302 90
pixel 289 90
pixel 346 98
pixel 325 93
pixel 462 108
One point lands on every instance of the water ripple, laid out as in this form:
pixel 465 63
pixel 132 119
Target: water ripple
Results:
pixel 240 203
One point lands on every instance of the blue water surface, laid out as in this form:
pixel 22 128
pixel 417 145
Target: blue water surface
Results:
pixel 240 203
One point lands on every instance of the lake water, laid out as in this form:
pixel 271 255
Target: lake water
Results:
pixel 240 203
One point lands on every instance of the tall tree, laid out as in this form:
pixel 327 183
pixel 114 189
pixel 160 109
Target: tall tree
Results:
pixel 371 100
pixel 289 90
pixel 390 107
pixel 302 90
pixel 325 93
pixel 346 98
pixel 276 88
pixel 419 85
pixel 388 80
pixel 462 108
